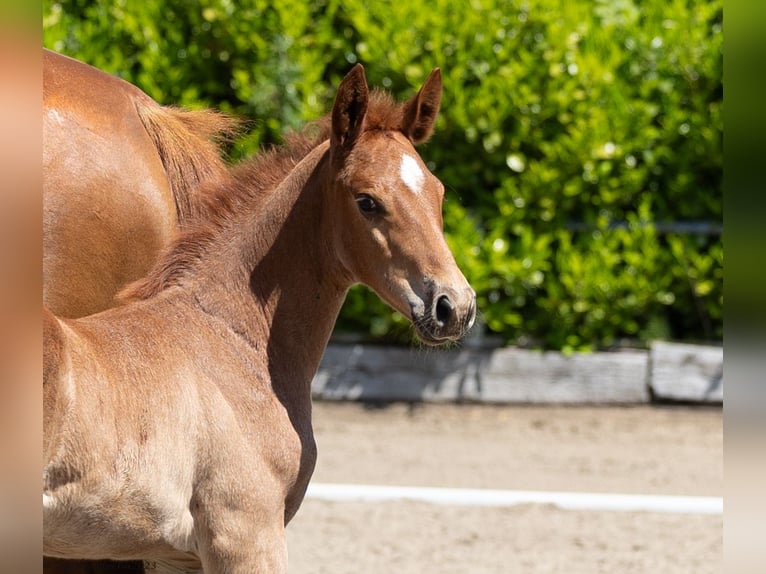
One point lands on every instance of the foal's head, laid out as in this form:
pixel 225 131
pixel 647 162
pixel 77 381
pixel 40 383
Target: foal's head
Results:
pixel 388 206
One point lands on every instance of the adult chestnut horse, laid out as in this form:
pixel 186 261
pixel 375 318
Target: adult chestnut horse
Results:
pixel 177 427
pixel 121 174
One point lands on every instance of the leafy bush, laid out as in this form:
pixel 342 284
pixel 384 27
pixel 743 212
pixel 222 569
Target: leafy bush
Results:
pixel 568 129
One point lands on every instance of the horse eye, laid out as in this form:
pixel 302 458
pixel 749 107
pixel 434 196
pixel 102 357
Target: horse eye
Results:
pixel 367 205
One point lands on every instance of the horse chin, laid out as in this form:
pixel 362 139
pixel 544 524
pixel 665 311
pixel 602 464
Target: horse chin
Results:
pixel 429 338
pixel 434 342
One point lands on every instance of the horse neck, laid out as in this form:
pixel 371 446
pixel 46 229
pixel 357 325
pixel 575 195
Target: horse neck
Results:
pixel 287 287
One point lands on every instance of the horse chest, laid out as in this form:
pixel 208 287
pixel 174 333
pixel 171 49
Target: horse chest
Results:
pixel 261 447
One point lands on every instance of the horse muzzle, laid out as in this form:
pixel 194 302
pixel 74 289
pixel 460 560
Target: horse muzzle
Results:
pixel 447 316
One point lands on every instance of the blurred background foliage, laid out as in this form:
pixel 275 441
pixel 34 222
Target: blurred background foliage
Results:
pixel 575 136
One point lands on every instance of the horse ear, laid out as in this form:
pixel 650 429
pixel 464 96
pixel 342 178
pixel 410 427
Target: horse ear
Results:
pixel 349 109
pixel 420 111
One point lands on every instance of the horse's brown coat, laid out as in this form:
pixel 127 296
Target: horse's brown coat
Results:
pixel 121 174
pixel 178 426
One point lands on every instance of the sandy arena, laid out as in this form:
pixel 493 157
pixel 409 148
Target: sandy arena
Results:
pixel 630 450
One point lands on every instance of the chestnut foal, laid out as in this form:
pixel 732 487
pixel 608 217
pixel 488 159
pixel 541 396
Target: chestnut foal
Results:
pixel 178 426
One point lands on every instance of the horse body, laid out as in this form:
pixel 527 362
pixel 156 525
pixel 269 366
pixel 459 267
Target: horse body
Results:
pixel 117 185
pixel 171 438
pixel 178 426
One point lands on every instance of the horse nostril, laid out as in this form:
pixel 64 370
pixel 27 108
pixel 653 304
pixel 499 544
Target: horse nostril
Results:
pixel 444 310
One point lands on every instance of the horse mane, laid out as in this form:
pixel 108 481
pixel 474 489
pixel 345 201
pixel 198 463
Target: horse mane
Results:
pixel 245 184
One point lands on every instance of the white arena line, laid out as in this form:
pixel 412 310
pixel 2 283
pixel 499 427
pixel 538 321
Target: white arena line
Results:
pixel 487 497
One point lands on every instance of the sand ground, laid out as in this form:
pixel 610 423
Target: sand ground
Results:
pixel 632 450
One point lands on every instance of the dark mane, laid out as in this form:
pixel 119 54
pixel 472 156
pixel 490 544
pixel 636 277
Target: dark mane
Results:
pixel 247 183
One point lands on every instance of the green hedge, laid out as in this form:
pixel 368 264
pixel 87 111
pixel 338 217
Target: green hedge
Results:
pixel 568 129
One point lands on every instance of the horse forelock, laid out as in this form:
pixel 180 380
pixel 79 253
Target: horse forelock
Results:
pixel 246 185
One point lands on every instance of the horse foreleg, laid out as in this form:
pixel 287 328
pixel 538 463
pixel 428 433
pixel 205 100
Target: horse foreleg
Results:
pixel 264 555
pixel 244 549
